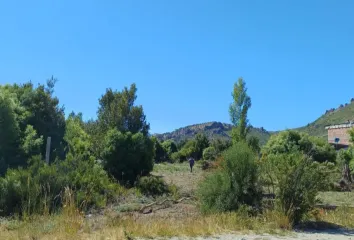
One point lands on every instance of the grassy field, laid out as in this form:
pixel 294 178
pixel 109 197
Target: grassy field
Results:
pixel 337 198
pixel 173 215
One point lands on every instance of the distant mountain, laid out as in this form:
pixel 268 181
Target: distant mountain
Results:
pixel 211 130
pixel 342 114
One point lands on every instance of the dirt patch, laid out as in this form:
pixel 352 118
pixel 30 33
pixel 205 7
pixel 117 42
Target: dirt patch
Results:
pixel 294 236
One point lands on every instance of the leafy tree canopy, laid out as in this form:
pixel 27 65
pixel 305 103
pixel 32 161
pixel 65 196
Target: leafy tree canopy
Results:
pixel 28 116
pixel 127 156
pixel 291 141
pixel 117 110
pixel 238 111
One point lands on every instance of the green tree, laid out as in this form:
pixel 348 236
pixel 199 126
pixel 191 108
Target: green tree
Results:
pixel 41 110
pixel 253 142
pixel 201 143
pixel 9 134
pixel 290 141
pixel 238 111
pixel 344 158
pixel 220 145
pixel 181 143
pixel 170 147
pixel 31 143
pixel 189 150
pixel 160 152
pixel 78 141
pixel 127 156
pixel 117 110
pixel 92 128
pixel 209 153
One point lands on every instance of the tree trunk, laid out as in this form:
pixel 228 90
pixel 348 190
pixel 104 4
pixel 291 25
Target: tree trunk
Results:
pixel 346 173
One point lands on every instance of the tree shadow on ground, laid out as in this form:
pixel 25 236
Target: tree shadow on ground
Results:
pixel 323 227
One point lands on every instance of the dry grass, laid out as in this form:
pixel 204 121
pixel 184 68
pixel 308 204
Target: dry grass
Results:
pixel 181 219
pixel 205 225
pixel 343 216
pixel 337 198
pixel 77 227
pixel 71 224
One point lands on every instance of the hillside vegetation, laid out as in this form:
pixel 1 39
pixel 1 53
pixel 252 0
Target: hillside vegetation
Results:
pixel 342 114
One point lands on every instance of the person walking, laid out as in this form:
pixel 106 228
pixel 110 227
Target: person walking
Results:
pixel 191 163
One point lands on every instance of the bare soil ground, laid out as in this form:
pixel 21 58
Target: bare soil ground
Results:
pixel 294 236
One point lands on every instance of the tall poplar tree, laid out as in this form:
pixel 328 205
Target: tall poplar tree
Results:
pixel 238 111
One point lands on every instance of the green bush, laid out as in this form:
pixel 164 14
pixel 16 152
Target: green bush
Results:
pixel 290 141
pixel 253 142
pixel 188 150
pixel 170 147
pixel 201 143
pixel 152 185
pixel 127 156
pixel 176 157
pixel 345 162
pixel 160 153
pixel 298 179
pixel 235 184
pixel 194 148
pixel 220 145
pixel 39 189
pixel 209 154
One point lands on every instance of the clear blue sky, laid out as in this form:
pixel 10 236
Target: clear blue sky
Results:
pixel 297 57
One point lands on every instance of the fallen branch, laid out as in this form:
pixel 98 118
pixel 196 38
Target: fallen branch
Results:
pixel 161 203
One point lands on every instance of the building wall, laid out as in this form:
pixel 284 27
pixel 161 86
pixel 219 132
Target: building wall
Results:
pixel 341 133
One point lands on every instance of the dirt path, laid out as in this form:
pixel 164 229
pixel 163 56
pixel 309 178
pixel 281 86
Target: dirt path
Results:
pixel 338 235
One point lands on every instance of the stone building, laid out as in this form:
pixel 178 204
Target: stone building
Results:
pixel 338 134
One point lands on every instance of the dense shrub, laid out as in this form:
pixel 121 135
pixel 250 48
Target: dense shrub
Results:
pixel 209 153
pixel 28 115
pixel 235 184
pixel 39 188
pixel 152 185
pixel 160 153
pixel 201 143
pixel 181 143
pixel 289 141
pixel 253 143
pixel 164 150
pixel 9 134
pixel 345 162
pixel 176 157
pixel 298 179
pixel 189 150
pixel 127 156
pixel 220 145
pixel 170 147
